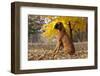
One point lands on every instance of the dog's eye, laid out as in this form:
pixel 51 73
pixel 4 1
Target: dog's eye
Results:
pixel 43 30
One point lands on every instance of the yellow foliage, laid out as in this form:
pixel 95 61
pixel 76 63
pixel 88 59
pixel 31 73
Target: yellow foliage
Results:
pixel 50 32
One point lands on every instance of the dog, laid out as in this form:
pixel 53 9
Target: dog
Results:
pixel 63 40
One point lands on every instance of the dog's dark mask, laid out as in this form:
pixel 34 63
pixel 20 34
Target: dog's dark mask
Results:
pixel 58 26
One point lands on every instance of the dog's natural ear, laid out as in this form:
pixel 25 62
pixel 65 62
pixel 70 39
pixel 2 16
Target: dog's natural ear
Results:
pixel 59 26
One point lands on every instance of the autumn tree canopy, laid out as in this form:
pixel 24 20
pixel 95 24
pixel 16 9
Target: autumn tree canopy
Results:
pixel 76 27
pixel 72 25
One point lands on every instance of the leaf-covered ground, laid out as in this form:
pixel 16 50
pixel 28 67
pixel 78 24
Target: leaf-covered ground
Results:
pixel 45 52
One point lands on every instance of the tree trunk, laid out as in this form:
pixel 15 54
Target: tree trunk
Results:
pixel 70 30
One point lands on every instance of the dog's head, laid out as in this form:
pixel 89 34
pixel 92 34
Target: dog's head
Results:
pixel 58 26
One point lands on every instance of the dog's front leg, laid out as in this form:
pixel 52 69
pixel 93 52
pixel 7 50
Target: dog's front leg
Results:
pixel 56 50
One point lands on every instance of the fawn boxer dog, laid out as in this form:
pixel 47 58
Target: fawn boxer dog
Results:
pixel 63 40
